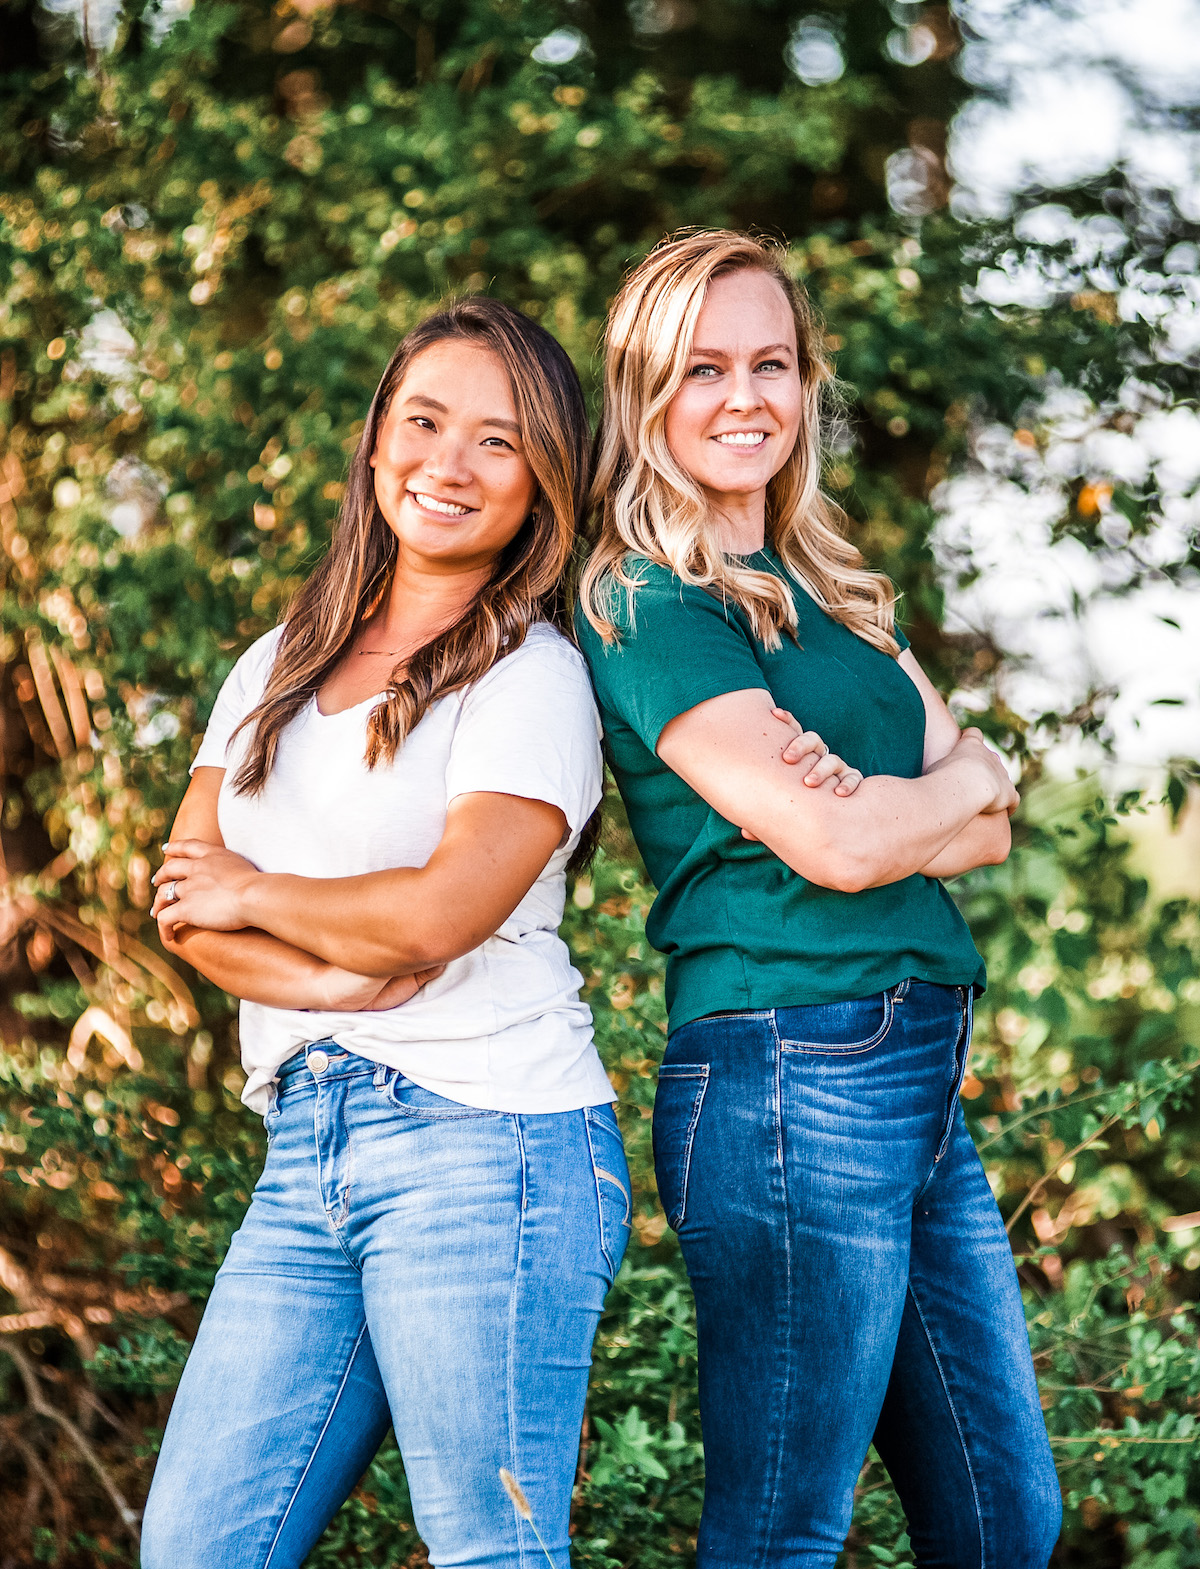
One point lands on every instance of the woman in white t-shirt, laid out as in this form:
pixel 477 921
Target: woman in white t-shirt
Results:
pixel 372 854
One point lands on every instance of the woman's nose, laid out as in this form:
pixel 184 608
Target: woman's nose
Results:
pixel 448 463
pixel 743 394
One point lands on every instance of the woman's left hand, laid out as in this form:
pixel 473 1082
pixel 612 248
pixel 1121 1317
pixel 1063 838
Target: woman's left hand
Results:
pixel 201 885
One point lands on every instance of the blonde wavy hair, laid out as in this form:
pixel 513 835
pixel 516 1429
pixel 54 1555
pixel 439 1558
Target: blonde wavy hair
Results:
pixel 643 504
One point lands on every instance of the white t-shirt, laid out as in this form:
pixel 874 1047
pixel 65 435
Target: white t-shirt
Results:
pixel 503 1027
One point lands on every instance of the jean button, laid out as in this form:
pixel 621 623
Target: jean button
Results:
pixel 318 1061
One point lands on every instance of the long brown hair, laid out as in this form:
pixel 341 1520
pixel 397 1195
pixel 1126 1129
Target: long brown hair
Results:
pixel 350 581
pixel 642 502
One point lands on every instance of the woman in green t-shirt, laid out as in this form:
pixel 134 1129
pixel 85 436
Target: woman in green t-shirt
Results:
pixel 853 1279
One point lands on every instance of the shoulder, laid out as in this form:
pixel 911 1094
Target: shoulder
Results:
pixel 546 645
pixel 244 684
pixel 241 691
pixel 650 599
pixel 546 659
pixel 260 656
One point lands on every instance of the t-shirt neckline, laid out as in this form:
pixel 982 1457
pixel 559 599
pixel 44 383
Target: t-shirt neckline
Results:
pixel 340 712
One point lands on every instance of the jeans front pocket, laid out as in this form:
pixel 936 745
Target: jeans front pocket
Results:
pixel 611 1176
pixel 831 1028
pixel 677 1107
pixel 413 1101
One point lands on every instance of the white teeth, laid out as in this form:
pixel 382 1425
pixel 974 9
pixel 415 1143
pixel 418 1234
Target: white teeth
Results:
pixel 446 508
pixel 743 438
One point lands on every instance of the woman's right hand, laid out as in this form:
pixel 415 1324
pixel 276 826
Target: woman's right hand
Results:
pixel 350 993
pixel 971 749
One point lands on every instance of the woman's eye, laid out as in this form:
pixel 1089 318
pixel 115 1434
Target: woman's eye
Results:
pixel 772 365
pixel 703 370
pixel 422 421
pixel 498 441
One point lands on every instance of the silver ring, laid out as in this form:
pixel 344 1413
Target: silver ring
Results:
pixel 172 896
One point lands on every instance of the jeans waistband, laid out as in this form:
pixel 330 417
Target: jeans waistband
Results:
pixel 324 1059
pixel 911 986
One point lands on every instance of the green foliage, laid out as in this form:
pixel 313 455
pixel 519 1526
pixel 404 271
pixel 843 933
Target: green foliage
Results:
pixel 209 245
pixel 142 1363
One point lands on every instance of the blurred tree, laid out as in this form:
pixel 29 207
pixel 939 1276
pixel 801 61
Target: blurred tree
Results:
pixel 214 225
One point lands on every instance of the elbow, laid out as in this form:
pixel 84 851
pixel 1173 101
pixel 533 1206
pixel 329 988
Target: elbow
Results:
pixel 852 879
pixel 431 951
pixel 839 869
pixel 427 948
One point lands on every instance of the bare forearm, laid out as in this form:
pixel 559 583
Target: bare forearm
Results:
pixel 409 919
pixel 887 830
pixel 375 924
pixel 985 841
pixel 731 749
pixel 254 966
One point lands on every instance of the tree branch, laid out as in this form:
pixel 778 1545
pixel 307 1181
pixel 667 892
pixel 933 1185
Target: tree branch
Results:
pixel 42 1407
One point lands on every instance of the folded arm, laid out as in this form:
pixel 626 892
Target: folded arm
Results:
pixel 252 964
pixel 987 838
pixel 402 921
pixel 730 750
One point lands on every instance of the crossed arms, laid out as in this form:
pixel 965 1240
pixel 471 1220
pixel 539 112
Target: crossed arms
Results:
pixel 370 941
pixel 347 943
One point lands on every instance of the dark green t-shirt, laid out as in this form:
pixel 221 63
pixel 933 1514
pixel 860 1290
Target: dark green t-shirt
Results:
pixel 739 928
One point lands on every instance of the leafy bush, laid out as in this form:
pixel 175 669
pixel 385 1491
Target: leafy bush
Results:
pixel 210 239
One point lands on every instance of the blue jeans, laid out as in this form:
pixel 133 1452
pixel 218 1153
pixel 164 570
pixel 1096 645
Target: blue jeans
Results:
pixel 853 1284
pixel 405 1260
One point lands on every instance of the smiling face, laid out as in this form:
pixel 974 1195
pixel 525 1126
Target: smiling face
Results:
pixel 733 423
pixel 451 477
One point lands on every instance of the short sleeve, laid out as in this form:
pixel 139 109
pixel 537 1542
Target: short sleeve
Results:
pixel 898 634
pixel 679 647
pixel 529 727
pixel 240 693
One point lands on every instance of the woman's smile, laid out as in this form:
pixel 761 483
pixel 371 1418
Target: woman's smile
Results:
pixel 440 507
pixel 748 440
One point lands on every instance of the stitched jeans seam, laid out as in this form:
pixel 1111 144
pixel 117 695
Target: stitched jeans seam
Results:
pixel 313 1455
pixel 785 1393
pixel 514 1304
pixel 962 1044
pixel 599 1175
pixel 966 1453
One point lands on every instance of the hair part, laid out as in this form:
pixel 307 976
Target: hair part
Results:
pixel 352 578
pixel 643 504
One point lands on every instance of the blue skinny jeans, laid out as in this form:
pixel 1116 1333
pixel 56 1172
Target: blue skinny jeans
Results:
pixel 853 1284
pixel 405 1261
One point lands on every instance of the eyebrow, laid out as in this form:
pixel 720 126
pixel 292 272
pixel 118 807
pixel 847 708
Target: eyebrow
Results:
pixel 440 408
pixel 719 354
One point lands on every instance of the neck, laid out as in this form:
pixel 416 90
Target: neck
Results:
pixel 425 597
pixel 740 521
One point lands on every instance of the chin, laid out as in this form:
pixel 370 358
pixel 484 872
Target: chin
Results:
pixel 436 542
pixel 738 483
